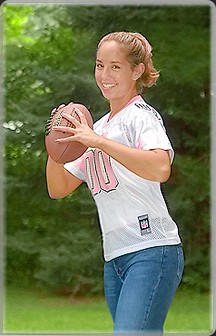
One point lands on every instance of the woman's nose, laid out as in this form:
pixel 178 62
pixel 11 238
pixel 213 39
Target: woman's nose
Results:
pixel 105 73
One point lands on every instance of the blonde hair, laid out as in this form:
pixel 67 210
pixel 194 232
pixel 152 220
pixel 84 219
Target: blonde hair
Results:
pixel 138 50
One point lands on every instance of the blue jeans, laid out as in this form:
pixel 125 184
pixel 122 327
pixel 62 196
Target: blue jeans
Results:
pixel 139 287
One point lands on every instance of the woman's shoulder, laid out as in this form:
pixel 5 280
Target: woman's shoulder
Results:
pixel 143 110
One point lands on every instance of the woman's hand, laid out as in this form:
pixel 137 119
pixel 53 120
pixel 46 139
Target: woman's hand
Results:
pixel 81 131
pixel 57 108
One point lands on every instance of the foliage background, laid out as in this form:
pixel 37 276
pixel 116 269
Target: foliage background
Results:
pixel 49 54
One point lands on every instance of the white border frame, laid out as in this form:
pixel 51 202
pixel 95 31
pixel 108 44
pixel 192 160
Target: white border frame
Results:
pixel 213 124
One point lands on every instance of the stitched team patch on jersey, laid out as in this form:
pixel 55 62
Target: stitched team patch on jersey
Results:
pixel 144 224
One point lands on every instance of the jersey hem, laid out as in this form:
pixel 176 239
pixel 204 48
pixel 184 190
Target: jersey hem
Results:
pixel 135 248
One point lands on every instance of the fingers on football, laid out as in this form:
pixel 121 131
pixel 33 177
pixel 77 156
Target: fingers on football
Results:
pixel 73 120
pixel 53 110
pixel 60 107
pixel 81 116
pixel 65 140
pixel 64 129
pixel 57 108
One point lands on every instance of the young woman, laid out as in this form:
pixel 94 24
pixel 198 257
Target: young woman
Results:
pixel 129 154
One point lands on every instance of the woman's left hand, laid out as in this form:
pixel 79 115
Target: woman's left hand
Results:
pixel 81 131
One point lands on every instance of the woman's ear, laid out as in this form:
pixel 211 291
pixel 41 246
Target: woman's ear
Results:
pixel 138 71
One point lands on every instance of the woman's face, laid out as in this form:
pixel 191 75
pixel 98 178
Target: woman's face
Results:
pixel 113 73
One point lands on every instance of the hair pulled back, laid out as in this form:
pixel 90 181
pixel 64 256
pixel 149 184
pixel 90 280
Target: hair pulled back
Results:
pixel 138 50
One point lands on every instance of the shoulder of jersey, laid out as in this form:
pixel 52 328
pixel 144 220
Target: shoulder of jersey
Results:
pixel 142 105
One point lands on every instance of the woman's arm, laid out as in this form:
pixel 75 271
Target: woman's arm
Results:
pixel 151 165
pixel 60 183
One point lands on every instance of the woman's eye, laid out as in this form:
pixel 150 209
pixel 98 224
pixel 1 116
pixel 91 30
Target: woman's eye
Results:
pixel 116 67
pixel 99 66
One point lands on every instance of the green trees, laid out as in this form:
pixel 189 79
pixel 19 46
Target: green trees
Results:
pixel 49 55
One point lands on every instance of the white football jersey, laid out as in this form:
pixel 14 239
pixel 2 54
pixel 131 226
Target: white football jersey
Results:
pixel 132 211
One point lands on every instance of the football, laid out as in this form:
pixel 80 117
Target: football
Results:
pixel 65 152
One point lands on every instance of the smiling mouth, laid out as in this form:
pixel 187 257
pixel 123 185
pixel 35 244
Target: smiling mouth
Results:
pixel 108 86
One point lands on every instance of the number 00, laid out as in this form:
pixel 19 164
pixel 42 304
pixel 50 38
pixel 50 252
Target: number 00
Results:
pixel 99 172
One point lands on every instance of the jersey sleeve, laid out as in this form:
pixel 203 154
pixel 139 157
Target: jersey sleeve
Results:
pixel 76 168
pixel 150 133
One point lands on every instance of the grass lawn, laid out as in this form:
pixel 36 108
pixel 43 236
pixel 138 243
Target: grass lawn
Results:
pixel 31 311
